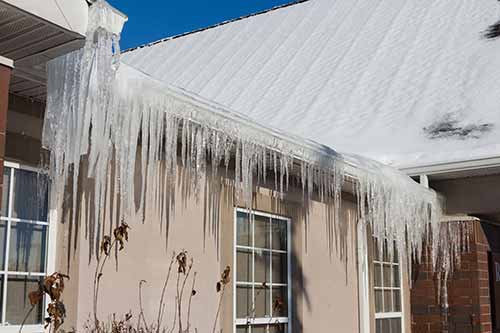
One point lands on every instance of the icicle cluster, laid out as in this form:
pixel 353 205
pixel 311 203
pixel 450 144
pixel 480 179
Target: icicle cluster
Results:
pixel 453 239
pixel 126 142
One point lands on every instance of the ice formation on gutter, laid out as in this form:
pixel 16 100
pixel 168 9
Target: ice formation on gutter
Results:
pixel 125 141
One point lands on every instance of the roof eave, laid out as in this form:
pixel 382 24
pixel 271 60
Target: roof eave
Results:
pixel 464 167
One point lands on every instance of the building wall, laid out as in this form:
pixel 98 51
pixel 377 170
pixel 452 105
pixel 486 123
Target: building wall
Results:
pixel 324 286
pixel 468 291
pixel 471 195
pixel 24 131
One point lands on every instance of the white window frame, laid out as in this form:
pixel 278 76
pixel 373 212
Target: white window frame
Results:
pixel 263 321
pixel 366 287
pixel 50 255
pixel 391 315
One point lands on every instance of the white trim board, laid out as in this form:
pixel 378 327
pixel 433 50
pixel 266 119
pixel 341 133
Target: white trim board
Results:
pixel 6 62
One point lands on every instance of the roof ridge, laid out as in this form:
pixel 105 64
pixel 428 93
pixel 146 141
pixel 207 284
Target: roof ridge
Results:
pixel 166 39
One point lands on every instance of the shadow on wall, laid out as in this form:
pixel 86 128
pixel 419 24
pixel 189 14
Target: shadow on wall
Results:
pixel 207 204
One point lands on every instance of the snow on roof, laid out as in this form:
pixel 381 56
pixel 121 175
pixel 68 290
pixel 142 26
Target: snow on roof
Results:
pixel 405 82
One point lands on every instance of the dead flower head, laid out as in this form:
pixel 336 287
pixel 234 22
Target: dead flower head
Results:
pixel 182 262
pixel 106 245
pixel 57 312
pixel 225 278
pixel 35 297
pixel 52 285
pixel 278 305
pixel 121 234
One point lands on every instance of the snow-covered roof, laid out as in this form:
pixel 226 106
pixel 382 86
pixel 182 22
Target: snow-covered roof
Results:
pixel 405 82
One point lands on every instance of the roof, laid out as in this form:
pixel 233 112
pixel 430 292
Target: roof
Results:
pixel 405 82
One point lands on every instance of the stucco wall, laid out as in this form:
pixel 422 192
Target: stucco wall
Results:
pixel 324 287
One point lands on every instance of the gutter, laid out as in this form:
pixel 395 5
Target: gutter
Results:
pixel 449 167
pixel 299 148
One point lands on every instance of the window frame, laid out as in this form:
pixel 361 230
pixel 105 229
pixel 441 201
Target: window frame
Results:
pixel 388 315
pixel 262 321
pixel 366 283
pixel 49 257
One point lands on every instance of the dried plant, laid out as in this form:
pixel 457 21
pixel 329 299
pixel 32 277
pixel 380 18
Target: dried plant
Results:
pixel 120 235
pixel 161 307
pixel 220 287
pixel 53 287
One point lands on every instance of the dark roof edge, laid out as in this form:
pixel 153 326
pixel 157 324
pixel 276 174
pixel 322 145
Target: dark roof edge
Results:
pixel 296 2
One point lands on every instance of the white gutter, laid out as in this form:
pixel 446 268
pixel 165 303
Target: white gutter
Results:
pixel 449 167
pixel 6 62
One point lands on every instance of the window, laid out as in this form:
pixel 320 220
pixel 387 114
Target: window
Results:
pixel 387 285
pixel 262 274
pixel 23 243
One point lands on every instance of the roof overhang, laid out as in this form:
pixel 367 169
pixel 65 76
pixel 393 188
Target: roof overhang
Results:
pixel 69 15
pixel 34 32
pixel 456 169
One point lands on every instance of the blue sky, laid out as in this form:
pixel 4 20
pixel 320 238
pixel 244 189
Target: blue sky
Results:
pixel 150 20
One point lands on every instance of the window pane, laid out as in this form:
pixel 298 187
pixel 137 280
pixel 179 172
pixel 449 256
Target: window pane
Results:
pixel 378 301
pixel 28 246
pixel 262 301
pixel 243 301
pixel 3 243
pixel 242 330
pixel 280 302
pixel 18 305
pixel 395 325
pixel 378 326
pixel 396 300
pixel 279 234
pixel 30 196
pixel 388 301
pixel 396 254
pixel 280 273
pixel 376 250
pixel 397 276
pixel 378 275
pixel 262 266
pixel 2 277
pixel 244 265
pixel 277 328
pixel 259 329
pixel 5 191
pixel 261 231
pixel 387 276
pixel 383 325
pixel 243 232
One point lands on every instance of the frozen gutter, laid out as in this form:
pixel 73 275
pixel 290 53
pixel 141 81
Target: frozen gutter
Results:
pixel 299 148
pixel 452 166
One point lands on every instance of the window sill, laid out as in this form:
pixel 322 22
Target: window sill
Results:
pixel 26 329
